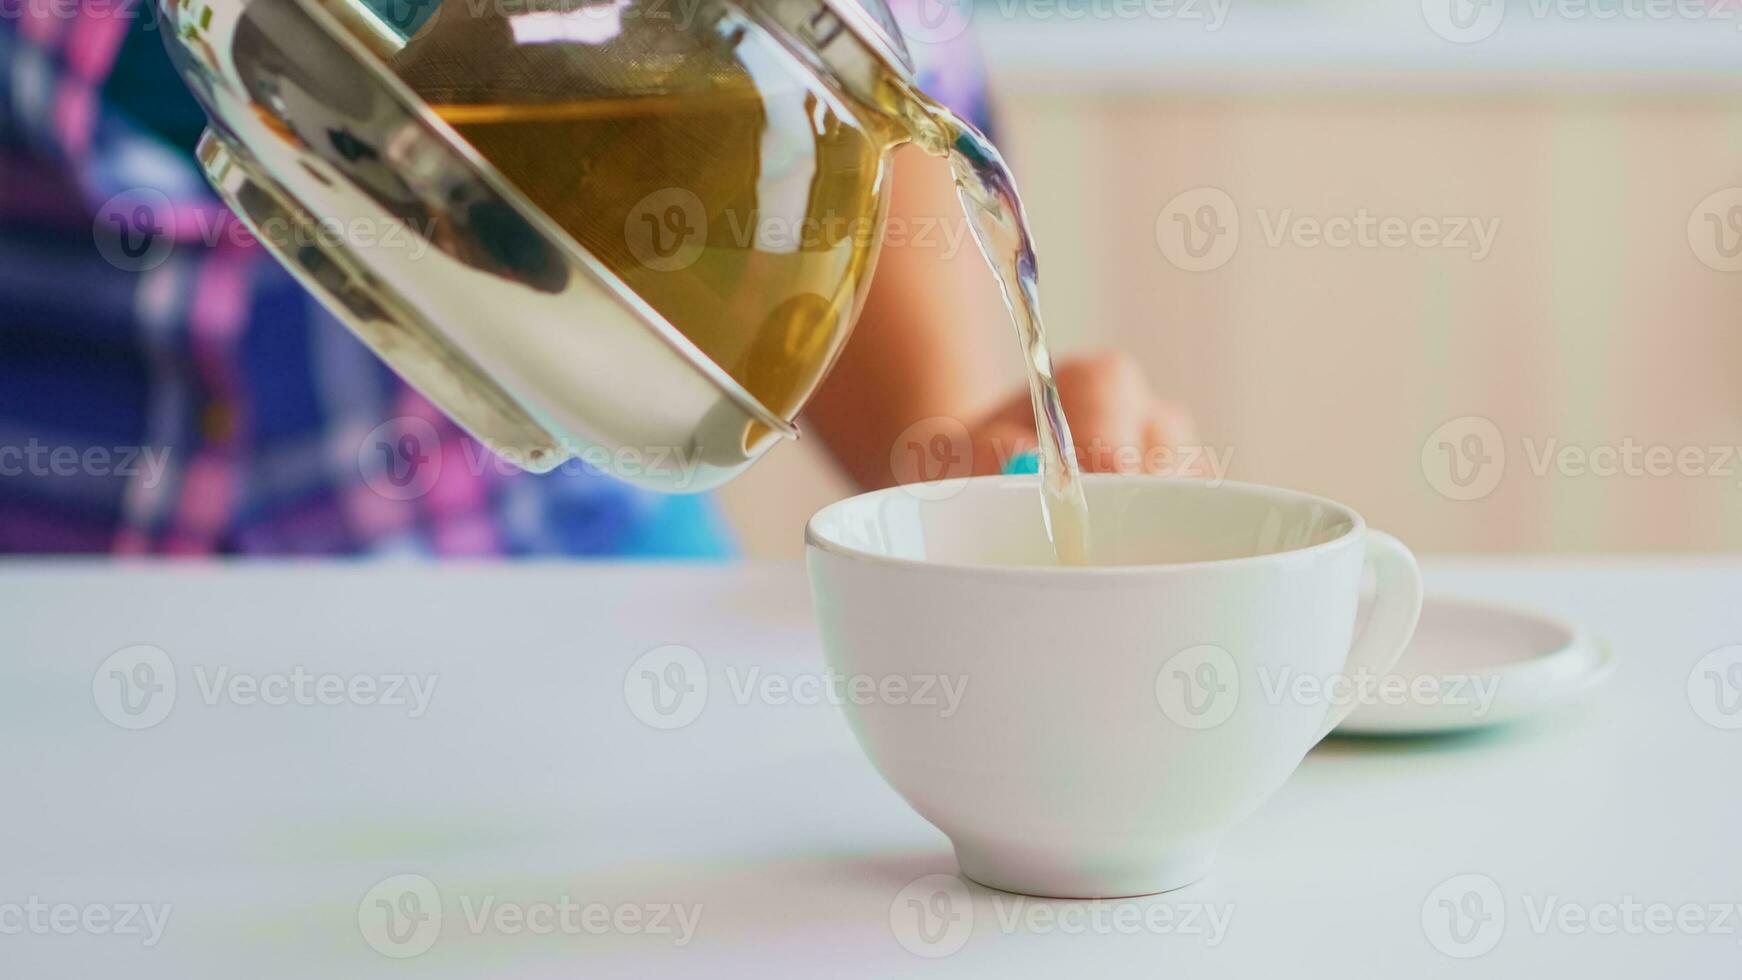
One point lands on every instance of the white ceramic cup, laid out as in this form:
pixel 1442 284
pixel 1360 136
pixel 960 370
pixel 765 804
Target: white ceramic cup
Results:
pixel 1114 721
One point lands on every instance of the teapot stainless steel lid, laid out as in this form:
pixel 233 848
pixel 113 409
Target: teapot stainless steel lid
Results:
pixel 870 23
pixel 464 286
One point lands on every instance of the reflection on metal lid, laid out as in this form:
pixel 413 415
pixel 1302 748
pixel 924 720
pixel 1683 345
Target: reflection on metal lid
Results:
pixel 588 24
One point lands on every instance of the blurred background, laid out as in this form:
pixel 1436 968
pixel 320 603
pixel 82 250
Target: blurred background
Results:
pixel 1471 266
pixel 1574 386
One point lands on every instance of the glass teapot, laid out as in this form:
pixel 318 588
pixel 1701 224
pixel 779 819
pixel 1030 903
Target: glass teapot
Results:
pixel 621 230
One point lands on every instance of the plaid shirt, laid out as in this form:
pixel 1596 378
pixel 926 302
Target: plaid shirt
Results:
pixel 207 404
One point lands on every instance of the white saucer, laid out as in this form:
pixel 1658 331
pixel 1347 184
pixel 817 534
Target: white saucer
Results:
pixel 1473 664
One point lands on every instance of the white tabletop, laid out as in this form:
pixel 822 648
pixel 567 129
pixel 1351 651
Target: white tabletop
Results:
pixel 756 841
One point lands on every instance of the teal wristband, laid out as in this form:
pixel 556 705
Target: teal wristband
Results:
pixel 1023 464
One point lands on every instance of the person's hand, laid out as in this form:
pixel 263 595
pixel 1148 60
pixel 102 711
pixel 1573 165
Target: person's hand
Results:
pixel 1117 423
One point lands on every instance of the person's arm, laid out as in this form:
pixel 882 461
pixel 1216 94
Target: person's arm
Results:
pixel 935 341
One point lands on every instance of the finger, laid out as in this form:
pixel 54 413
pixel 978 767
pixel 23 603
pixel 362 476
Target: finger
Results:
pixel 1171 441
pixel 1106 400
pixel 998 442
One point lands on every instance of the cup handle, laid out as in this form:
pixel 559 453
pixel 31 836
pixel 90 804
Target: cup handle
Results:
pixel 1396 607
